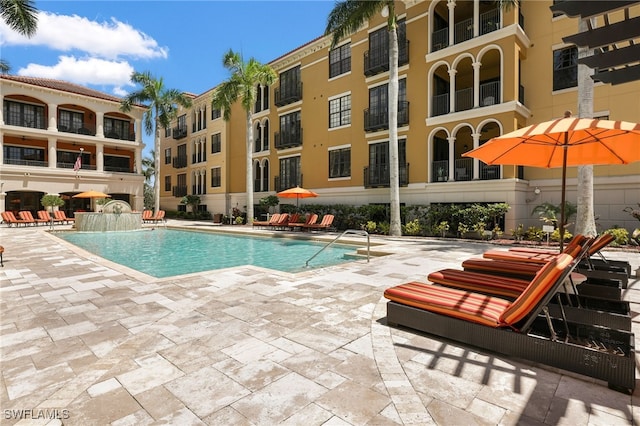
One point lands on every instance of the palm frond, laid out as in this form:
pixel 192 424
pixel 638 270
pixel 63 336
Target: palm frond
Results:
pixel 20 16
pixel 348 15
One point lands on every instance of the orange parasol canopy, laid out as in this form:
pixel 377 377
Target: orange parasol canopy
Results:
pixel 564 142
pixel 91 194
pixel 297 193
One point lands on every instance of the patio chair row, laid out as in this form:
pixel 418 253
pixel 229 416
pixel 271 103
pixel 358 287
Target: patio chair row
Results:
pixel 149 217
pixel 284 221
pixel 25 218
pixel 524 317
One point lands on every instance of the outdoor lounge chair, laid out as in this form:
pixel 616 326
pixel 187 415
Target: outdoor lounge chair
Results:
pixel 28 217
pixel 146 215
pixel 273 219
pixel 10 219
pixel 326 223
pixel 515 328
pixel 44 215
pixel 61 215
pixel 311 219
pixel 282 222
pixel 158 217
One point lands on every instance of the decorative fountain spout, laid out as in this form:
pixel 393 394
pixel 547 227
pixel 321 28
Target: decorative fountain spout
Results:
pixel 116 215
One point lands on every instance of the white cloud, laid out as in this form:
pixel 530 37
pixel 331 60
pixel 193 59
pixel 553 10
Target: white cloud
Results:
pixel 92 71
pixel 110 40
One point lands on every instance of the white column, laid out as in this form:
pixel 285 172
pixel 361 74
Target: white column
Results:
pixel 452 160
pixel 53 122
pixel 451 4
pixel 100 157
pixel 476 162
pixel 476 84
pixel 476 18
pixel 137 161
pixel 1 113
pixel 100 124
pixel 53 154
pixel 452 90
pixel 138 127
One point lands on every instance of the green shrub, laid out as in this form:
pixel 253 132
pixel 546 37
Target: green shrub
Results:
pixel 370 227
pixel 519 233
pixel 442 228
pixel 555 235
pixel 383 228
pixel 621 236
pixel 537 234
pixel 412 228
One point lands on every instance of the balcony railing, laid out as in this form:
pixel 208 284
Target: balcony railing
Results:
pixel 489 21
pixel 463 169
pixel 439 39
pixel 281 183
pixel 463 31
pixel 288 94
pixel 85 166
pixel 489 172
pixel 88 130
pixel 37 122
pixel 378 176
pixel 179 191
pixel 124 136
pixel 376 60
pixel 179 132
pixel 464 99
pixel 23 162
pixel 440 104
pixel 378 118
pixel 490 93
pixel 440 171
pixel 117 169
pixel 288 139
pixel 180 162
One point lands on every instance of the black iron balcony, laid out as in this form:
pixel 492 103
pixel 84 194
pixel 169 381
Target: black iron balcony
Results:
pixel 34 122
pixel 288 94
pixel 282 183
pixel 489 172
pixel 489 21
pixel 117 169
pixel 179 132
pixel 439 39
pixel 463 169
pixel 88 130
pixel 125 136
pixel 180 162
pixel 25 162
pixel 378 118
pixel 288 139
pixel 440 171
pixel 378 176
pixel 376 60
pixel 440 105
pixel 490 93
pixel 179 191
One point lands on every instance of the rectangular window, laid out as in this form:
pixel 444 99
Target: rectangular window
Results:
pixel 116 129
pixel 23 115
pixel 24 156
pixel 167 183
pixel 70 121
pixel 289 172
pixel 167 132
pixel 565 68
pixel 340 60
pixel 340 163
pixel 215 113
pixel 215 143
pixel 340 111
pixel 378 170
pixel 216 177
pixel 116 163
pixel 167 156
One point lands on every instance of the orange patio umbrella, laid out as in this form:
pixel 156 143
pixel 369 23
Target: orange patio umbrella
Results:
pixel 563 142
pixel 297 193
pixel 91 194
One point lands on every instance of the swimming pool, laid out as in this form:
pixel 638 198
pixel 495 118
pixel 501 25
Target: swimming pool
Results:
pixel 163 253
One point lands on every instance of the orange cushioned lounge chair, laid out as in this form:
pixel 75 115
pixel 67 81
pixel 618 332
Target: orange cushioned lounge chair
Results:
pixel 61 215
pixel 10 219
pixel 515 328
pixel 274 218
pixel 158 217
pixel 311 219
pixel 44 215
pixel 326 223
pixel 28 217
pixel 146 215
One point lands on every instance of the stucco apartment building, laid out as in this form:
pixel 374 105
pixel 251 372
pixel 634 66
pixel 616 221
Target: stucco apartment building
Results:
pixel 45 125
pixel 468 72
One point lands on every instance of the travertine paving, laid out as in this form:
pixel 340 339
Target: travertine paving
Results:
pixel 90 342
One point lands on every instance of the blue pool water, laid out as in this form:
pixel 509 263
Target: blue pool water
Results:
pixel 168 252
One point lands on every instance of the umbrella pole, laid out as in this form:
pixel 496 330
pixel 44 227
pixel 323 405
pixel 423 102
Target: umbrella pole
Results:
pixel 564 187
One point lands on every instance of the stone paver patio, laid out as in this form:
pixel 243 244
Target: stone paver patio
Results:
pixel 94 343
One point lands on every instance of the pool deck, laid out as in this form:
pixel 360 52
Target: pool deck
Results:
pixel 97 344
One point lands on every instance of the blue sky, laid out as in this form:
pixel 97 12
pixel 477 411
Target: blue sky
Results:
pixel 99 44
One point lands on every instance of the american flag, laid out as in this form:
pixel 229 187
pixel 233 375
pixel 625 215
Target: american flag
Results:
pixel 78 164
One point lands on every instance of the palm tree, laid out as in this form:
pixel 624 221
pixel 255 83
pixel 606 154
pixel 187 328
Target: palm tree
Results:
pixel 149 172
pixel 162 108
pixel 4 67
pixel 242 86
pixel 20 16
pixel 345 18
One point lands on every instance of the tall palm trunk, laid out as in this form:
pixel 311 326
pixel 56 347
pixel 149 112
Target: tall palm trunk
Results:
pixel 156 163
pixel 585 220
pixel 249 167
pixel 394 179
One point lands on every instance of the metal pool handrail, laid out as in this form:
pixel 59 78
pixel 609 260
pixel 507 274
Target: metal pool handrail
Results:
pixel 348 231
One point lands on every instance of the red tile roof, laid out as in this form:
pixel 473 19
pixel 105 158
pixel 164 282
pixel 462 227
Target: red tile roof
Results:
pixel 63 86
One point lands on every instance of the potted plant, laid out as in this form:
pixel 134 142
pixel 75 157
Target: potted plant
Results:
pixel 50 201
